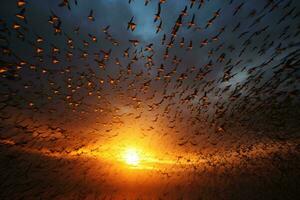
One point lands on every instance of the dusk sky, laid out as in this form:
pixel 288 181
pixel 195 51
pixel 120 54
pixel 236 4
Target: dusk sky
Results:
pixel 149 99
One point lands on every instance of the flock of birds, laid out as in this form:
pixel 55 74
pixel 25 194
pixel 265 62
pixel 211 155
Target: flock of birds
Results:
pixel 233 71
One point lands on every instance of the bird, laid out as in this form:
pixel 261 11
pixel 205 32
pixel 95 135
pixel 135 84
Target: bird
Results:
pixel 91 16
pixel 192 22
pixel 157 15
pixel 159 27
pixel 131 25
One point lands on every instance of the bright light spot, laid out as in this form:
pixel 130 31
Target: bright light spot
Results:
pixel 131 157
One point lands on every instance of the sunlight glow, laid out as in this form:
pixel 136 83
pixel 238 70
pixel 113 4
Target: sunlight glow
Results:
pixel 131 157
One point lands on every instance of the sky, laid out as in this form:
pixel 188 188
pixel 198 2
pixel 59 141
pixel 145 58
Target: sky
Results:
pixel 197 102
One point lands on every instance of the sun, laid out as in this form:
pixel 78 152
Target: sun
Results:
pixel 131 157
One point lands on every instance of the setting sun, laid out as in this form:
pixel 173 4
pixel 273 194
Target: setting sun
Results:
pixel 131 157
